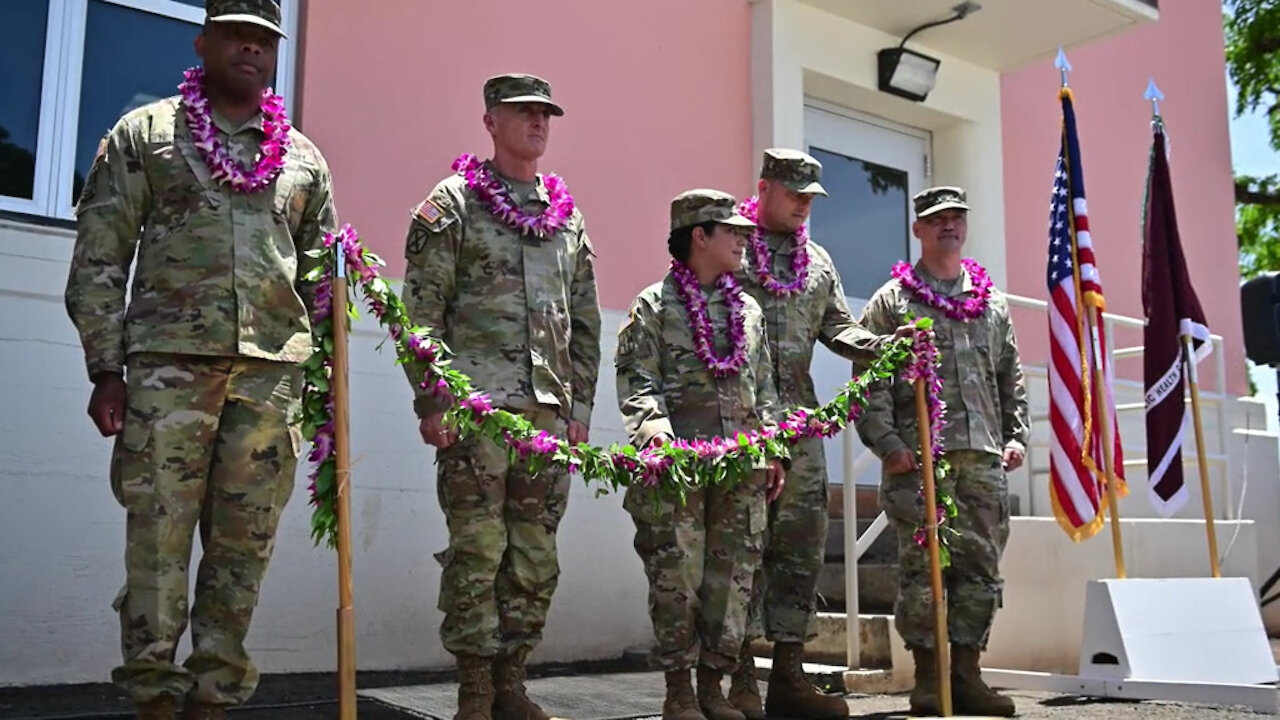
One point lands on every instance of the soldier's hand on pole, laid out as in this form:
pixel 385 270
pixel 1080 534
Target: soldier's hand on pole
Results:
pixel 901 461
pixel 775 478
pixel 434 432
pixel 578 433
pixel 1013 458
pixel 106 404
pixel 908 330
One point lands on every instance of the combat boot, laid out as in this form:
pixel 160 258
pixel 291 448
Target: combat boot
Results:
pixel 511 700
pixel 711 696
pixel 790 692
pixel 744 693
pixel 924 696
pixel 195 710
pixel 970 694
pixel 681 704
pixel 475 688
pixel 163 707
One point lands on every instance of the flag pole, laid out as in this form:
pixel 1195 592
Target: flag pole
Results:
pixel 1103 418
pixel 342 477
pixel 1099 386
pixel 1189 361
pixel 935 552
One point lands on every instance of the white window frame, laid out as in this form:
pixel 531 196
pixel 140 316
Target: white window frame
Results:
pixel 60 94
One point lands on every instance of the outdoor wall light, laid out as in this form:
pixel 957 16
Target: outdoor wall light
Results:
pixel 909 74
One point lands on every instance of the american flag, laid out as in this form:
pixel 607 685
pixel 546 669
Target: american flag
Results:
pixel 1076 460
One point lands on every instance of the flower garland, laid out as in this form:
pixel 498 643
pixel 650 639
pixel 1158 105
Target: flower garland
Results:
pixel 962 310
pixel 925 368
pixel 690 292
pixel 673 468
pixel 750 209
pixel 224 168
pixel 497 200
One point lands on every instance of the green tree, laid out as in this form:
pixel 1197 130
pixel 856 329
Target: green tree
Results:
pixel 1253 62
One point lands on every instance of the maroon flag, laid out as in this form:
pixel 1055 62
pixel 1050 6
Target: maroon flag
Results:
pixel 1173 312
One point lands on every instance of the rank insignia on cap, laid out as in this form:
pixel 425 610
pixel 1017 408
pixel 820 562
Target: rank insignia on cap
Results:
pixel 429 211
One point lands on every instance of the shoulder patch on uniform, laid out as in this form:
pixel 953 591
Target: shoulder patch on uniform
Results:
pixel 429 211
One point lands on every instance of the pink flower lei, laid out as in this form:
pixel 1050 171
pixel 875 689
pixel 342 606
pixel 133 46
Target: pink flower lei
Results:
pixel 749 209
pixel 691 293
pixel 224 168
pixel 495 197
pixel 963 310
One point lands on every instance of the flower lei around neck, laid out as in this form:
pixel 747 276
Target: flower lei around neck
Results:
pixel 690 291
pixel 224 168
pixel 497 199
pixel 964 309
pixel 750 209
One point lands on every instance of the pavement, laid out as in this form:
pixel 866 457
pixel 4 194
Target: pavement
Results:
pixel 312 697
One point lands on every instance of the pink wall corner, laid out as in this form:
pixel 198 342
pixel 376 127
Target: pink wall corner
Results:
pixel 1184 51
pixel 657 98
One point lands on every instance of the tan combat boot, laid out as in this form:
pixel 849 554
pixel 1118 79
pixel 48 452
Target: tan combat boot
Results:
pixel 711 696
pixel 196 710
pixel 163 707
pixel 680 703
pixel 970 694
pixel 511 701
pixel 475 688
pixel 744 693
pixel 790 692
pixel 924 696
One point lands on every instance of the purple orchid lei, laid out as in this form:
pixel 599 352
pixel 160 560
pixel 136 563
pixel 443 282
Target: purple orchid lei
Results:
pixel 497 200
pixel 675 467
pixel 963 310
pixel 690 291
pixel 750 209
pixel 224 168
pixel 925 368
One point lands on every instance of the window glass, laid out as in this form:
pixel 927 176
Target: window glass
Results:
pixel 23 28
pixel 865 223
pixel 131 57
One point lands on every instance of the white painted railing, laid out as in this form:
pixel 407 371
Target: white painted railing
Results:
pixel 856 458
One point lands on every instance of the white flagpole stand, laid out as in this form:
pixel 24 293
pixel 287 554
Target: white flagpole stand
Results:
pixel 1188 640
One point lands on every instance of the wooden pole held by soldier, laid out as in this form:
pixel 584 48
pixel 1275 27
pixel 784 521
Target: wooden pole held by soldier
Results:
pixel 935 553
pixel 342 478
pixel 1189 360
pixel 1103 419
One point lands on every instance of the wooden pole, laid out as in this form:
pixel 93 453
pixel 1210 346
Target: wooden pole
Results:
pixel 935 557
pixel 1189 359
pixel 1104 420
pixel 342 476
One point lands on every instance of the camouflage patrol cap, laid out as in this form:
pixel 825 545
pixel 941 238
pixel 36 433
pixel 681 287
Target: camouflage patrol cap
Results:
pixel 937 199
pixel 264 13
pixel 694 207
pixel 794 169
pixel 518 88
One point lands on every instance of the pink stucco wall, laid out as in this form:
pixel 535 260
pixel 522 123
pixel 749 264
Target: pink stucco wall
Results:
pixel 1184 51
pixel 657 98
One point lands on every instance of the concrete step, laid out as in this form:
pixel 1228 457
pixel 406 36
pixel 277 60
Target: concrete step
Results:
pixel 877 587
pixel 829 647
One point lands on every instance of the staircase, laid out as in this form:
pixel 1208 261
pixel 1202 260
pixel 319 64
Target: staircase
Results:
pixel 826 655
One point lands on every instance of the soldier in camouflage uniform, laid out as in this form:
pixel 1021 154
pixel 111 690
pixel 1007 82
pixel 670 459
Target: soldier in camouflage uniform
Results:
pixel 197 378
pixel 521 314
pixel 800 310
pixel 700 557
pixel 985 436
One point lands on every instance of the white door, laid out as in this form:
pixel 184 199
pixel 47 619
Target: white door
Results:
pixel 870 169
